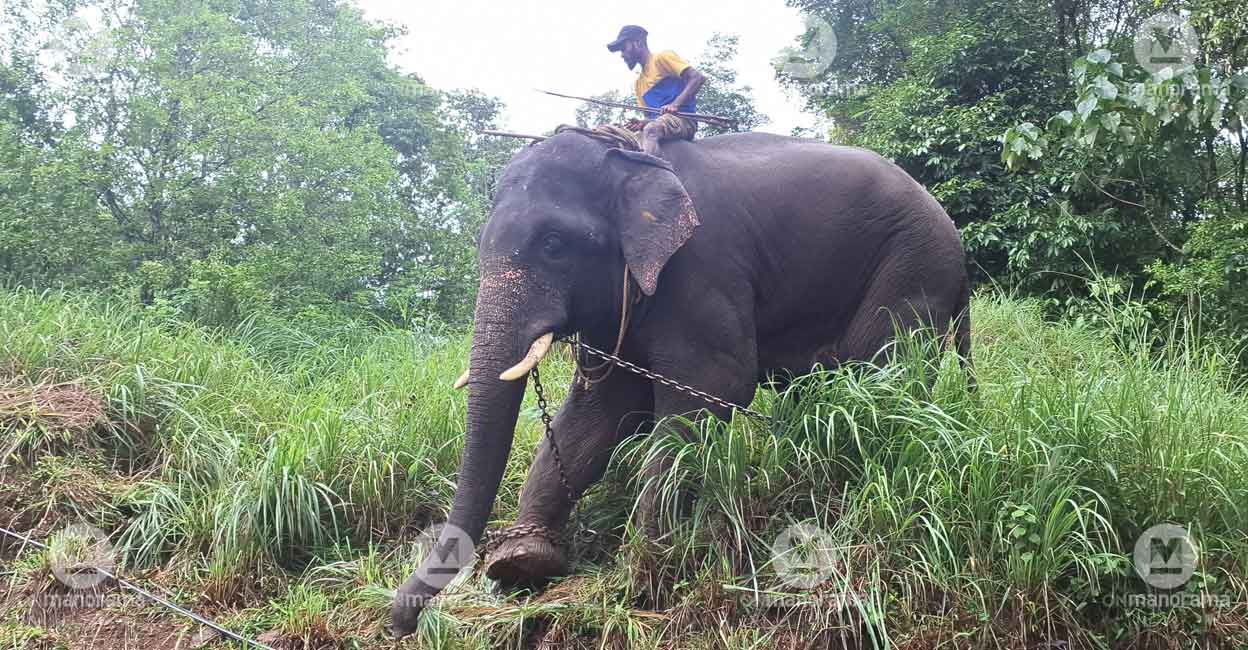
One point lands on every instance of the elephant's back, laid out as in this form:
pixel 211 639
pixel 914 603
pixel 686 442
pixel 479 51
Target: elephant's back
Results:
pixel 811 218
pixel 807 188
pixel 794 167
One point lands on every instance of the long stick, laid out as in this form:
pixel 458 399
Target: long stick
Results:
pixel 713 120
pixel 508 134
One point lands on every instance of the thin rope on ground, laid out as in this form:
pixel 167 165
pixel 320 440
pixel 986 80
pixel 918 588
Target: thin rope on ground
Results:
pixel 151 596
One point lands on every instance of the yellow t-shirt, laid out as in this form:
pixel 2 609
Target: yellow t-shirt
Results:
pixel 659 83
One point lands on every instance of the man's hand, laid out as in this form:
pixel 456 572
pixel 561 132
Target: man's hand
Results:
pixel 670 109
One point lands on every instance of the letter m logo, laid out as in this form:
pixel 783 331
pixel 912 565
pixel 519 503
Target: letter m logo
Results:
pixel 1168 551
pixel 443 551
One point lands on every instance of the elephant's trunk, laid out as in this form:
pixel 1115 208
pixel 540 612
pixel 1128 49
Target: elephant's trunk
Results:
pixel 493 405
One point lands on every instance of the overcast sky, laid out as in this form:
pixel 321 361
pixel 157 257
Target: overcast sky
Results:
pixel 507 49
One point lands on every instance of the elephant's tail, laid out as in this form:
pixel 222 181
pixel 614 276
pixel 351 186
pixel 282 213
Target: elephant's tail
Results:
pixel 962 338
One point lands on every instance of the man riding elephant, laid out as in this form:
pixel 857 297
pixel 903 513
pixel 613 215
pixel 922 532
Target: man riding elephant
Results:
pixel 738 259
pixel 665 83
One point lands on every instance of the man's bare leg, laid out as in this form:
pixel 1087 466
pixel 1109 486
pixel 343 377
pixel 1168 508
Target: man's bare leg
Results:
pixel 650 136
pixel 664 127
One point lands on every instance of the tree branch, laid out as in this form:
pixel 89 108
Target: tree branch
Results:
pixel 1148 217
pixel 1240 172
pixel 1120 200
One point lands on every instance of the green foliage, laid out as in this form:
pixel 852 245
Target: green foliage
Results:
pixel 231 156
pixel 928 86
pixel 721 94
pixel 1213 275
pixel 1162 157
pixel 16 635
pixel 287 436
pixel 589 115
pixel 1023 499
pixel 1101 163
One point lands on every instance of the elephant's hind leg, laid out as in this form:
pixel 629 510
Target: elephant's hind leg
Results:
pixel 586 429
pixel 898 301
pixel 725 373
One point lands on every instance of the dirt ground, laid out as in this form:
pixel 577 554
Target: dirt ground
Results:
pixel 50 616
pixel 109 619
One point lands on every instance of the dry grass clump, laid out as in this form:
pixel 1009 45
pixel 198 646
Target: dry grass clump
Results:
pixel 47 413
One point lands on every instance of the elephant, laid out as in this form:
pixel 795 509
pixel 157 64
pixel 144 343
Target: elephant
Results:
pixel 750 256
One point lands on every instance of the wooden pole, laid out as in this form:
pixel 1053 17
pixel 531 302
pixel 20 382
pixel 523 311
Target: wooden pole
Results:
pixel 507 134
pixel 713 120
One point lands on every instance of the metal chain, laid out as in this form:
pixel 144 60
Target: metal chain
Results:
pixel 560 538
pixel 654 376
pixel 550 432
pixel 516 531
pixel 149 595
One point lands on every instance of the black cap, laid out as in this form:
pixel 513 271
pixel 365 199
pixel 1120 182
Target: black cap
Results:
pixel 627 33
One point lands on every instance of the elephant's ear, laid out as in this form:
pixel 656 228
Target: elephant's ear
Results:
pixel 655 214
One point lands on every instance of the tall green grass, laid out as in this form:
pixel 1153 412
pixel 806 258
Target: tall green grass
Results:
pixel 1000 517
pixel 1006 516
pixel 265 444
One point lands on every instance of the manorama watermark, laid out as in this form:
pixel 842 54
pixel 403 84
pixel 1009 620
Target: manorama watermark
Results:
pixel 808 64
pixel 92 599
pixel 1165 557
pixel 1166 41
pixel 447 554
pixel 80 559
pixel 805 560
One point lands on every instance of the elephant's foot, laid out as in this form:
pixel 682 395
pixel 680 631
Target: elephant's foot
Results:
pixel 526 560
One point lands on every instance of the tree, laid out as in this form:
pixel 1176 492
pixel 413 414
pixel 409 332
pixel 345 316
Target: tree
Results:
pixel 1134 174
pixel 721 94
pixel 589 114
pixel 448 175
pixel 928 86
pixel 932 86
pixel 234 155
pixel 48 215
pixel 1165 153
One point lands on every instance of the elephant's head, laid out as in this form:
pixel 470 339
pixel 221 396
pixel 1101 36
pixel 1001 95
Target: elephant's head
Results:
pixel 570 215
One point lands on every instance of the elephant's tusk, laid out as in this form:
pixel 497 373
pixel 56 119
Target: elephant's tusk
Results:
pixel 538 350
pixel 462 381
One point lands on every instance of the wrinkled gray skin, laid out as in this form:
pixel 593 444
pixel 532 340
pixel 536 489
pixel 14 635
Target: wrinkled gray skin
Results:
pixel 802 252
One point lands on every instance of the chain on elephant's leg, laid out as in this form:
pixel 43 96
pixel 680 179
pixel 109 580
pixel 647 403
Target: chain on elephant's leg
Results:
pixel 585 431
pixel 534 548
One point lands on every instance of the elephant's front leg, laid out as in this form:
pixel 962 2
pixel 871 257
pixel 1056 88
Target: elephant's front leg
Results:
pixel 586 430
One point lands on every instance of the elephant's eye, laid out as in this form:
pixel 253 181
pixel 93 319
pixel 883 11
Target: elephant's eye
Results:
pixel 553 245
